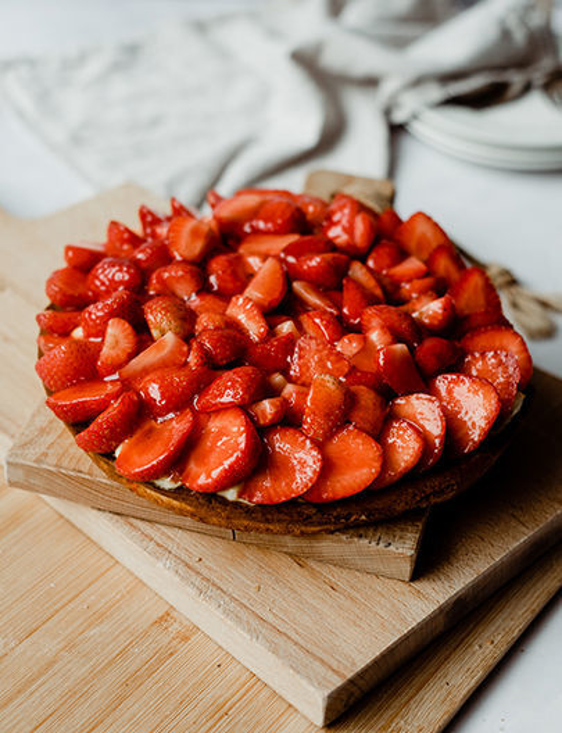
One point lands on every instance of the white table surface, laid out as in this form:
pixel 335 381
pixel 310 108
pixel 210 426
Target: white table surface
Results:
pixel 511 218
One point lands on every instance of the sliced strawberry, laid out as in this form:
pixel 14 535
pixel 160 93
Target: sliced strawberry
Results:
pixel 412 306
pixel 207 303
pixel 222 346
pixel 68 288
pixel 474 292
pixel 312 244
pixel 399 370
pixel 435 355
pixel 493 338
pixel 365 278
pixel 151 255
pixel 268 412
pixel 324 270
pixel 437 316
pixel 119 346
pixel 388 222
pixel 211 321
pixel 67 364
pixel 295 395
pixel 226 274
pixel 237 387
pixel 179 209
pixel 360 377
pixel 420 235
pixel 351 460
pixel 234 213
pixel 171 389
pixel 416 288
pixel 81 257
pixel 470 406
pixel 83 401
pixel 325 407
pixel 409 269
pixel 313 356
pixel 112 426
pixel 120 304
pixel 277 382
pixel 313 208
pixel 290 465
pixel 213 198
pixel 349 345
pixel 266 245
pixel 268 286
pixel 276 215
pixel 153 448
pixel 384 255
pixel 378 333
pixel 224 453
pixel 154 226
pixel 114 273
pixel 479 320
pixel 192 239
pixel 179 278
pixel 249 317
pixel 272 355
pixel 121 241
pixel 47 342
pixel 349 225
pixel 400 324
pixel 366 409
pixel 168 351
pixel 60 323
pixel 168 313
pixel 355 301
pixel 314 298
pixel 322 325
pixel 501 369
pixel 446 263
pixel 425 412
pixel 199 355
pixel 402 445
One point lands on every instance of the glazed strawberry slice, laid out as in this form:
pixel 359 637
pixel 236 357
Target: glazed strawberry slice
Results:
pixel 179 278
pixel 355 301
pixel 179 209
pixel 83 401
pixel 268 412
pixel 192 239
pixel 112 426
pixel 211 322
pixel 351 344
pixel 313 208
pixel 480 319
pixel 420 235
pixel 168 313
pixel 168 351
pixel 226 274
pixel 470 405
pixel 436 316
pixel 474 292
pixel 364 277
pixel 67 364
pixel 272 355
pixel 446 263
pixel 68 288
pixel 313 356
pixel 399 370
pixel 349 225
pixel 237 387
pixel 400 324
pixel 81 257
pixel 268 286
pixel 171 389
pixel 435 355
pixel 266 245
pixel 207 303
pixel 289 466
pixel 351 461
pixel 313 297
pixel 121 304
pixel 47 342
pixel 234 213
pixel 415 288
pixel 409 269
pixel 114 273
pixel 387 223
pixel 222 346
pixel 425 412
pixel 402 445
pixel 325 407
pixel 276 215
pixel 153 448
pixel 295 396
pixel 121 241
pixel 119 346
pixel 366 410
pixel 324 270
pixel 151 255
pixel 59 323
pixel 322 325
pixel 154 226
pixel 312 244
pixel 494 338
pixel 501 369
pixel 249 317
pixel 224 452
pixel 385 255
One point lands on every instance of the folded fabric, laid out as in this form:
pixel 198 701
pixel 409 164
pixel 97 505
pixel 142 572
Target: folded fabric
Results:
pixel 260 97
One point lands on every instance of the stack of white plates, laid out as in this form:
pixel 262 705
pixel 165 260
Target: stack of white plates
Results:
pixel 525 134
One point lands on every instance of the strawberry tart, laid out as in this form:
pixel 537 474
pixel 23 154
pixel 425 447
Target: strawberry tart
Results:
pixel 283 364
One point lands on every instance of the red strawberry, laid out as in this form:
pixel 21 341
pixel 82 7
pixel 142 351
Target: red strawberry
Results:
pixel 325 407
pixel 470 406
pixel 301 246
pixel 360 377
pixel 435 355
pixel 355 301
pixel 495 338
pixel 154 226
pixel 409 269
pixel 60 323
pixel 120 304
pixel 313 208
pixel 312 357
pixel 151 255
pixel 349 345
pixel 321 325
pixel 324 270
pixel 399 370
pixel 207 303
pixel 121 241
pixel 83 401
pixel 249 317
pixel 234 213
pixel 276 215
pixel 224 452
pixel 351 460
pixel 446 263
pixel 68 288
pixel 384 255
pixel 211 321
pixel 237 387
pixel 402 445
pixel 436 316
pixel 47 342
pixel 178 209
pixel 266 245
pixel 290 465
pixel 153 448
pixel 387 224
pixel 226 274
pixel 479 320
pixel 367 409
pixel 420 235
pixel 400 324
pixel 268 412
pixel 349 225
pixel 222 346
pixel 111 428
pixel 119 347
pixel 314 298
pixel 192 239
pixel 114 273
pixel 268 286
pixel 172 388
pixel 67 364
pixel 425 412
pixel 501 369
pixel 418 303
pixel 82 258
pixel 179 278
pixel 295 397
pixel 168 351
pixel 417 287
pixel 474 292
pixel 168 313
pixel 214 198
pixel 272 355
pixel 364 277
